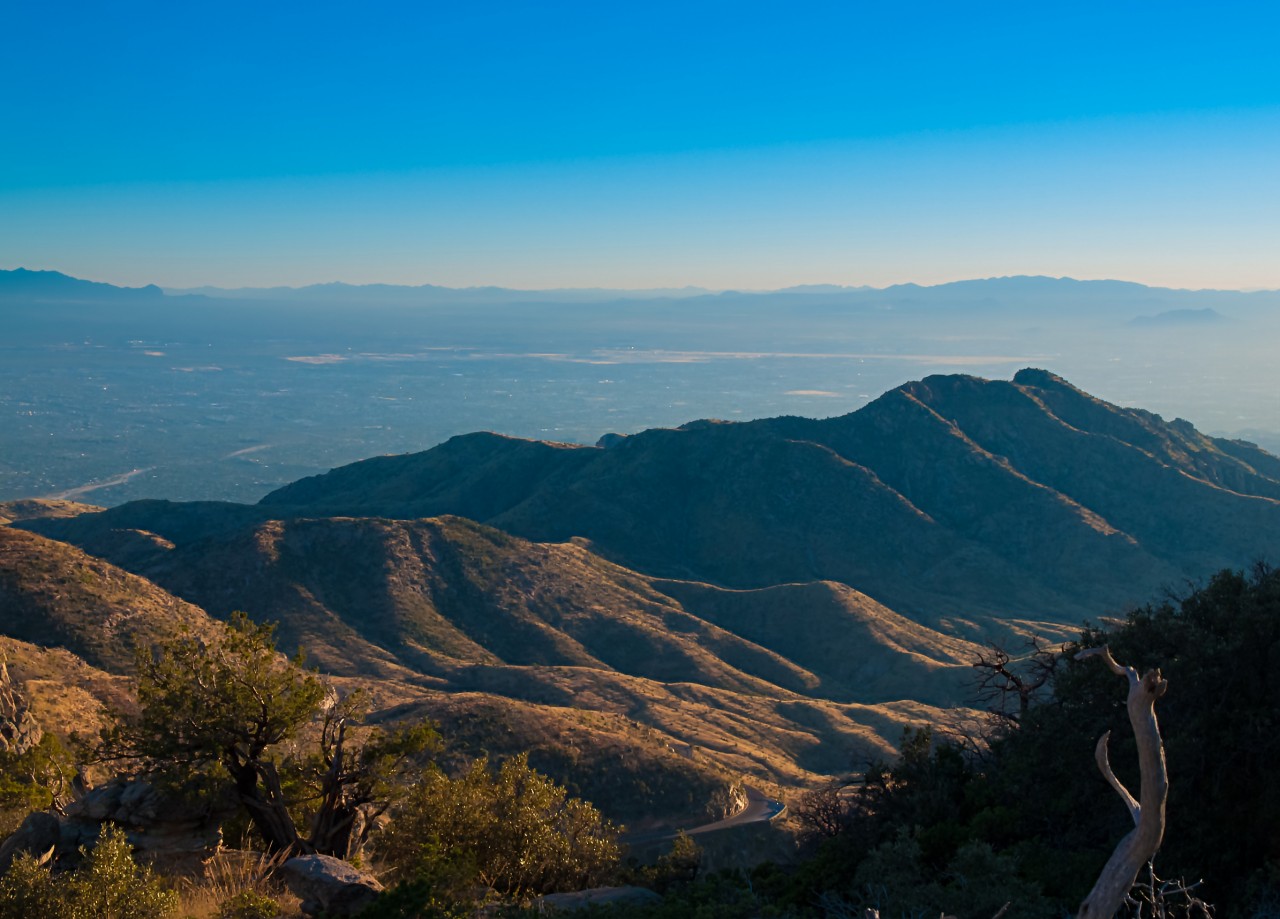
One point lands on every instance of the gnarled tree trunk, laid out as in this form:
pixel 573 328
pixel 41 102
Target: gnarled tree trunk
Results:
pixel 1137 848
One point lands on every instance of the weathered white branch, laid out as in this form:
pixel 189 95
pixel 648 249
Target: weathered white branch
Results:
pixel 1104 764
pixel 1140 845
pixel 1104 652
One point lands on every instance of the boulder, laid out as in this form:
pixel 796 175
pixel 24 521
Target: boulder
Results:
pixel 329 886
pixel 155 820
pixel 37 834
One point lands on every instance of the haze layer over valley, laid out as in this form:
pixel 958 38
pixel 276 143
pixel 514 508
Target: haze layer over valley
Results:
pixel 111 394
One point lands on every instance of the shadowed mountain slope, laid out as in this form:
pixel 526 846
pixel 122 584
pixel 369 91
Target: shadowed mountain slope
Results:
pixel 952 498
pixel 654 698
pixel 55 595
pixel 375 596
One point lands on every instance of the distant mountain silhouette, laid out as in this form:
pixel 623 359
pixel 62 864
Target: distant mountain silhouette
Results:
pixel 1003 293
pixel 57 287
pixel 427 293
pixel 1015 292
pixel 1180 317
pixel 1022 313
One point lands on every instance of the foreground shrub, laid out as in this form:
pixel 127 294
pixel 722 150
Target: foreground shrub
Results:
pixel 674 869
pixel 896 880
pixel 108 884
pixel 515 831
pixel 32 780
pixel 249 904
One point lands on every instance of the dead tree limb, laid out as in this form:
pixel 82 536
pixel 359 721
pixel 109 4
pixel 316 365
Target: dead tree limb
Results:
pixel 1140 845
pixel 1003 678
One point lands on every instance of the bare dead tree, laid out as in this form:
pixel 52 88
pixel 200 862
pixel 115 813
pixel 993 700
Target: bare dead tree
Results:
pixel 1006 686
pixel 1155 898
pixel 823 812
pixel 1140 845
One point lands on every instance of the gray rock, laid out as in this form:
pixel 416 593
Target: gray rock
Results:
pixel 19 730
pixel 38 833
pixel 329 885
pixel 153 820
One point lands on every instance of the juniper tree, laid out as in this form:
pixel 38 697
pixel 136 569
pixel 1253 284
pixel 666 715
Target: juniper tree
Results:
pixel 233 703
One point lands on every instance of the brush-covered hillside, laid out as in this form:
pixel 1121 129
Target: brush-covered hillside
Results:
pixel 692 685
pixel 69 624
pixel 949 498
pixel 686 607
pixel 56 595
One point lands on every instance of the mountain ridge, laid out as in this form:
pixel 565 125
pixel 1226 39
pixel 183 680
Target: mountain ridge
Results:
pixel 775 598
pixel 450 619
pixel 43 282
pixel 54 285
pixel 1012 477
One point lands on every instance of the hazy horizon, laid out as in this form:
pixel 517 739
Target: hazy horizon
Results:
pixel 132 394
pixel 799 286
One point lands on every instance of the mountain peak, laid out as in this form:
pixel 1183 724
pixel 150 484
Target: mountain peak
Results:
pixel 54 285
pixel 1034 376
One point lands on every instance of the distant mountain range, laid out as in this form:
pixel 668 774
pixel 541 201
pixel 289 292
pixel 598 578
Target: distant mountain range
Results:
pixel 56 286
pixel 773 598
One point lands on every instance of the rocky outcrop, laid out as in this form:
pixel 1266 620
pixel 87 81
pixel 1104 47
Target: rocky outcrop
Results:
pixel 19 730
pixel 154 821
pixel 329 886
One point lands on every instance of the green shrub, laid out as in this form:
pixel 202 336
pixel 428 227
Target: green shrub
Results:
pixel 108 884
pixel 514 830
pixel 249 904
pixel 31 780
pixel 674 869
pixel 27 890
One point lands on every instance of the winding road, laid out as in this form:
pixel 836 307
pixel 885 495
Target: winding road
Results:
pixel 759 809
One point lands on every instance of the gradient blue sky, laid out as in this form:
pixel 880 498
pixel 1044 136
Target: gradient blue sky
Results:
pixel 741 145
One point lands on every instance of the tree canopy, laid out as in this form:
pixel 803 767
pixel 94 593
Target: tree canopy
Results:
pixel 1032 791
pixel 229 704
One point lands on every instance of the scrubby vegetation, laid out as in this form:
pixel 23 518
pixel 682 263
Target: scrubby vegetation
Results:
pixel 1025 809
pixel 962 826
pixel 225 709
pixel 108 884
pixel 955 825
pixel 509 829
pixel 32 780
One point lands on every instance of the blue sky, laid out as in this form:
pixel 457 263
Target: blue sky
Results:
pixel 580 144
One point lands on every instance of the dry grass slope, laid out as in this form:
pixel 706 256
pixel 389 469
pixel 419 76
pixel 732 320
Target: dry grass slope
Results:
pixel 56 595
